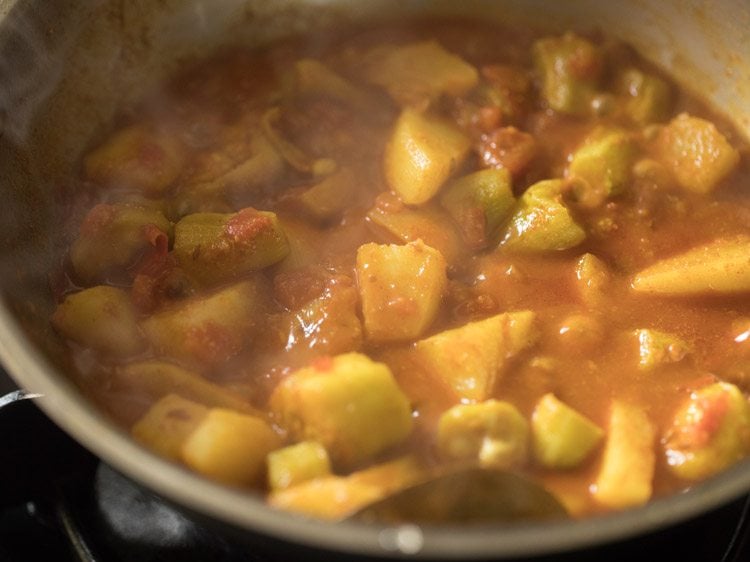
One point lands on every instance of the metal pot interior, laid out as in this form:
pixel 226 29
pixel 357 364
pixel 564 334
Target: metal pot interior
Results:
pixel 66 67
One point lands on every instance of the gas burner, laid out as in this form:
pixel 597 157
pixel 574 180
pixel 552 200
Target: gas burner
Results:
pixel 60 503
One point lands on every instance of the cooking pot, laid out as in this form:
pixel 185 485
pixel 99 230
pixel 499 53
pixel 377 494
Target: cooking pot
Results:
pixel 65 67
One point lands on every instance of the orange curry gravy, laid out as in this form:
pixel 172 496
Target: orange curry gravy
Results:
pixel 209 110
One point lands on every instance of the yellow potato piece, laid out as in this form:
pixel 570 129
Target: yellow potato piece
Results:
pixel 471 357
pixel 159 378
pixel 421 155
pixel 297 463
pixel 335 497
pixel 332 498
pixel 167 425
pixel 401 288
pixel 419 72
pixel 628 463
pixel 102 318
pixel 230 447
pixel 696 152
pixel 720 267
pixel 349 403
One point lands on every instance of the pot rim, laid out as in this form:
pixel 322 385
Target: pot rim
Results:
pixel 66 406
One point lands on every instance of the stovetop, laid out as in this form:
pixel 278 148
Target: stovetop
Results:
pixel 59 503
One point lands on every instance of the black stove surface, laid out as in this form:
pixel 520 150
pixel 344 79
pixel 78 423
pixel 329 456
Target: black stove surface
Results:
pixel 59 503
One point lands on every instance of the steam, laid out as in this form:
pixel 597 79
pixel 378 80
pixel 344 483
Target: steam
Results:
pixel 29 68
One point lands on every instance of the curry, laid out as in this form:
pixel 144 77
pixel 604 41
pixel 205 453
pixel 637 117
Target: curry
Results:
pixel 326 269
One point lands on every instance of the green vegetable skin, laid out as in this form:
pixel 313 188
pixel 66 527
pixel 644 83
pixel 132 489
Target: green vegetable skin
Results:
pixel 570 67
pixel 649 98
pixel 657 348
pixel 562 437
pixel 479 203
pixel 215 247
pixel 602 165
pixel 541 222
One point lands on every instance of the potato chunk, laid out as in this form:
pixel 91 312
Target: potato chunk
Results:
pixel 659 348
pixel 698 155
pixel 428 223
pixel 562 436
pixel 326 199
pixel 160 378
pixel 494 433
pixel 230 447
pixel 416 73
pixel 348 403
pixel 113 238
pixel 719 267
pixel 139 158
pixel 330 498
pixel 710 432
pixel 209 329
pixel 627 471
pixel 401 288
pixel 215 247
pixel 421 155
pixel 593 279
pixel 167 425
pixel 470 358
pixel 102 318
pixel 297 463
pixel 541 221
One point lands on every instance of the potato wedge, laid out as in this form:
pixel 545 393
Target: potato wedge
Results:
pixel 719 267
pixel 627 471
pixel 470 358
pixel 421 155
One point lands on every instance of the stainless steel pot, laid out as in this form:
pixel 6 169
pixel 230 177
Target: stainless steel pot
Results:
pixel 64 68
